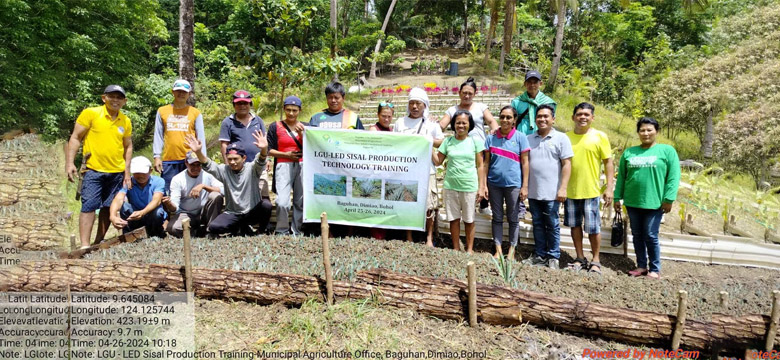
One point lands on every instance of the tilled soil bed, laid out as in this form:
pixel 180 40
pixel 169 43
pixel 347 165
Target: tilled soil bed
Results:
pixel 749 289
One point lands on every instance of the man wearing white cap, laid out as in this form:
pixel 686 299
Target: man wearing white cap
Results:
pixel 195 195
pixel 417 121
pixel 143 199
pixel 172 123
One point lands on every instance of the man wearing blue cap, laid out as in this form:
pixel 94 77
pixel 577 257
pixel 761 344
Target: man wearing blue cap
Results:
pixel 243 203
pixel 527 102
pixel 108 148
pixel 285 145
pixel 171 124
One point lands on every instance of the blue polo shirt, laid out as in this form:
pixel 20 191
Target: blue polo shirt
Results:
pixel 233 131
pixel 505 168
pixel 140 196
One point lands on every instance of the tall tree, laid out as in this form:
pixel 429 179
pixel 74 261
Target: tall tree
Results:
pixel 560 7
pixel 186 43
pixel 333 26
pixel 465 24
pixel 509 21
pixel 372 75
pixel 494 7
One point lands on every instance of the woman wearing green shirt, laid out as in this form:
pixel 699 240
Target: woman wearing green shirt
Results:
pixel 464 181
pixel 647 181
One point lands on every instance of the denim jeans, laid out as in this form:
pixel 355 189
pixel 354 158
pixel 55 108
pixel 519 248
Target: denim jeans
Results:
pixel 498 196
pixel 645 224
pixel 171 169
pixel 547 229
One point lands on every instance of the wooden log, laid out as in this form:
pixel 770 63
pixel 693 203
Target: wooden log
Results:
pixel 130 237
pixel 497 305
pixel 443 298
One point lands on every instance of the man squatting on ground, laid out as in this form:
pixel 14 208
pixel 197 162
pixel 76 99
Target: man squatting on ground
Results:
pixel 107 135
pixel 242 195
pixel 195 195
pixel 144 199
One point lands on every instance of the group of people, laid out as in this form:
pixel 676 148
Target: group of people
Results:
pixel 496 164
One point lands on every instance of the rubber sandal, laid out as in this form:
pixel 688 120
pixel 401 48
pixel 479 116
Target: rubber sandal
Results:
pixel 594 267
pixel 583 263
pixel 653 275
pixel 637 272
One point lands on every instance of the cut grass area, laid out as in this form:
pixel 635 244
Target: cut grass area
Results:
pixel 356 326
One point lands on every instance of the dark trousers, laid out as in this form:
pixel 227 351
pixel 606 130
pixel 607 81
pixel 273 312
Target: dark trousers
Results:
pixel 153 221
pixel 238 224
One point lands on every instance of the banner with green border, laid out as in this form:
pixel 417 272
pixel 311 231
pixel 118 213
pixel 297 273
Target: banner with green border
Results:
pixel 366 178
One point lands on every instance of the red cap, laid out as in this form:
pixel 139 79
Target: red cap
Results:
pixel 242 95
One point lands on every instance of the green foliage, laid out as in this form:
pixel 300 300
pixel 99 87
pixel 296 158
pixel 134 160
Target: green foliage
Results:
pixel 58 54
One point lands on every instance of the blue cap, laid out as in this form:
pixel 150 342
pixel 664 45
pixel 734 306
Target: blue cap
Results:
pixel 293 100
pixel 235 148
pixel 533 74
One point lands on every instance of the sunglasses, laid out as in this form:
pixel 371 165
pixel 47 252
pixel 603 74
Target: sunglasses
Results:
pixel 509 117
pixel 386 104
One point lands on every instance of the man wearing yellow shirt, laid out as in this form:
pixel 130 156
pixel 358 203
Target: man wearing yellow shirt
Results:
pixel 171 124
pixel 591 150
pixel 107 137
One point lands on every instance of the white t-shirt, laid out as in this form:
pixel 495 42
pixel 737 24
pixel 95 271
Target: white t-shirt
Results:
pixel 478 113
pixel 430 129
pixel 181 186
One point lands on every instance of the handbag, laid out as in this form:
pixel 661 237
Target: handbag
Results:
pixel 617 229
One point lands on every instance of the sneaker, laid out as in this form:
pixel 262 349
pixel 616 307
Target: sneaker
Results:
pixel 534 260
pixel 486 211
pixel 553 264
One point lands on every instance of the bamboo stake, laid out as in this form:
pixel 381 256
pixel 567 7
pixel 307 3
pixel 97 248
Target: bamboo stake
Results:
pixel 472 278
pixel 682 307
pixel 770 336
pixel 625 235
pixel 326 258
pixel 185 224
pixel 724 299
pixel 73 242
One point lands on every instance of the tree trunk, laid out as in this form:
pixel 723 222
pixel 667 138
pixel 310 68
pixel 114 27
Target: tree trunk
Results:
pixel 709 133
pixel 508 22
pixel 372 74
pixel 466 24
pixel 494 4
pixel 333 26
pixel 187 43
pixel 345 19
pixel 556 63
pixel 443 298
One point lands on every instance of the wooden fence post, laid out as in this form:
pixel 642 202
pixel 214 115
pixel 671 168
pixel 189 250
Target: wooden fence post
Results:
pixel 770 337
pixel 682 307
pixel 326 258
pixel 73 245
pixel 185 224
pixel 724 300
pixel 472 279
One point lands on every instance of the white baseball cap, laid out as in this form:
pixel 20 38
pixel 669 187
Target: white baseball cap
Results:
pixel 182 85
pixel 140 164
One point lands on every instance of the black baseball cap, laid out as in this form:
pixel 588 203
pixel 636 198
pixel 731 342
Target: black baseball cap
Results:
pixel 114 88
pixel 533 74
pixel 235 148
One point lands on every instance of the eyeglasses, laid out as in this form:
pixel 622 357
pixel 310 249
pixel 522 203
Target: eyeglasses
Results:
pixel 508 117
pixel 386 104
